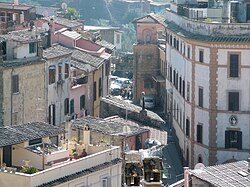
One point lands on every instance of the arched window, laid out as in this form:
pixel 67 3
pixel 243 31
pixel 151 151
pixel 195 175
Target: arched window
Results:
pixel 199 159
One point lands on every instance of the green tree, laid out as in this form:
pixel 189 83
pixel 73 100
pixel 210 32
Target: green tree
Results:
pixel 72 13
pixel 128 37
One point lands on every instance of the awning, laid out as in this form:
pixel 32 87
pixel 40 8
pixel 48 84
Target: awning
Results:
pixel 159 78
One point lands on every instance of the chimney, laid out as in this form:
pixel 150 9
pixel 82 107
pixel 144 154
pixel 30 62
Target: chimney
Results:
pixel 86 136
pixel 16 2
pixel 186 177
pixel 248 165
pixel 51 31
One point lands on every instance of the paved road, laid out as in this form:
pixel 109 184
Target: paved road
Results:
pixel 172 160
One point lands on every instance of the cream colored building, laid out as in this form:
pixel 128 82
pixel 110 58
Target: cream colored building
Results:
pixel 208 88
pixel 20 148
pixel 22 79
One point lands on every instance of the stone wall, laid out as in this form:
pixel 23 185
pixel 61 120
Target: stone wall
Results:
pixel 111 106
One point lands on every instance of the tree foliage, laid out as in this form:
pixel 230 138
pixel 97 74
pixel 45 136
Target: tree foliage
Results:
pixel 72 13
pixel 128 37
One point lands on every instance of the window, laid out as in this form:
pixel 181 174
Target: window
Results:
pixel 183 88
pixel 118 39
pixel 180 85
pixel 177 45
pixel 201 55
pixel 52 74
pixel 94 91
pixel 199 133
pixel 171 38
pixel 9 17
pixel 59 71
pixel 200 102
pixel 176 81
pixel 174 42
pixel 174 78
pixel 105 182
pixel 66 71
pixel 188 52
pixel 187 128
pixel 170 73
pixel 184 49
pixel 72 106
pixel 15 84
pixel 188 91
pixel 32 47
pixel 234 65
pixel 233 139
pixel 3 16
pixel 233 101
pixel 100 87
pixel 66 106
pixel 52 113
pixel 148 83
pixel 35 141
pixel 82 102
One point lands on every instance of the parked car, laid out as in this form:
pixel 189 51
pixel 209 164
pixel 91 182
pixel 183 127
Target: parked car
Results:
pixel 113 78
pixel 123 82
pixel 149 101
pixel 115 89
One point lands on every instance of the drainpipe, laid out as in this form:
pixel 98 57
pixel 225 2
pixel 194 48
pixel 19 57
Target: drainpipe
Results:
pixel 186 177
pixel 11 97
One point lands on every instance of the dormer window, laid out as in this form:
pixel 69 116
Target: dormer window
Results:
pixel 32 47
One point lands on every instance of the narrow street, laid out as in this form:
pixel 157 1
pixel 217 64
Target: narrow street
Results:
pixel 173 169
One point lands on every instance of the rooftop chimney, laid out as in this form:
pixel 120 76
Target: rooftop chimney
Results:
pixel 186 177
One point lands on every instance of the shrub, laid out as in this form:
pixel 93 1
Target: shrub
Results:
pixel 29 170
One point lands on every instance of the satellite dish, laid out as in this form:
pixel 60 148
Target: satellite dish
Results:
pixel 45 26
pixel 126 129
pixel 45 14
pixel 64 6
pixel 199 166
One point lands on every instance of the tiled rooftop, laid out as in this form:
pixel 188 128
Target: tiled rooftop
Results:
pixel 65 22
pixel 107 126
pixel 25 35
pixel 15 7
pixel 105 44
pixel 22 62
pixel 30 131
pixel 85 57
pixel 225 175
pixel 207 38
pixel 56 51
pixel 158 18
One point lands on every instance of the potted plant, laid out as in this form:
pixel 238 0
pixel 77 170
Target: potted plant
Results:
pixel 74 153
pixel 29 170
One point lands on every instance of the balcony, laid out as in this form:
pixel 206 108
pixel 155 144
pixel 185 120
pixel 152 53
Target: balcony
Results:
pixel 98 155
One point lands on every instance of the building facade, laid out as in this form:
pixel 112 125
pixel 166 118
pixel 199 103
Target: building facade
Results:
pixel 149 56
pixel 22 68
pixel 207 88
pixel 58 83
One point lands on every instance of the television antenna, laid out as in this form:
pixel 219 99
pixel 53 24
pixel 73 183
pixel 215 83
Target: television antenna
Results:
pixel 64 6
pixel 45 26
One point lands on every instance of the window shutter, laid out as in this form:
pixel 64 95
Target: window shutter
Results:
pixel 227 139
pixel 54 114
pixel 49 114
pixel 239 140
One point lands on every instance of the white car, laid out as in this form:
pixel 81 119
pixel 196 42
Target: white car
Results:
pixel 123 82
pixel 149 101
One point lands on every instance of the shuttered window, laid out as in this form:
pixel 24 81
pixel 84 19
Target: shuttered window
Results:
pixel 233 139
pixel 15 84
pixel 233 101
pixel 234 65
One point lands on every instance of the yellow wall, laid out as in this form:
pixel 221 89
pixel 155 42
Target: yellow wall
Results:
pixel 29 103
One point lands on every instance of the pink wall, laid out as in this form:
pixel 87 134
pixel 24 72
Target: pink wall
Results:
pixel 148 29
pixel 87 45
pixel 64 40
pixel 75 93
